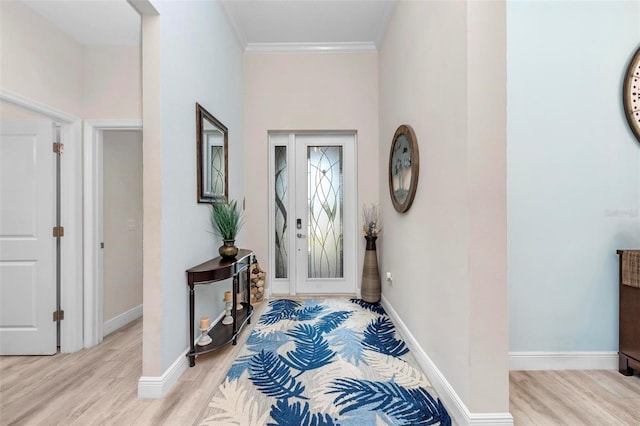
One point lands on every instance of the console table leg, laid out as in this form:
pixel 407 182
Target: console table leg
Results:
pixel 192 358
pixel 623 365
pixel 247 289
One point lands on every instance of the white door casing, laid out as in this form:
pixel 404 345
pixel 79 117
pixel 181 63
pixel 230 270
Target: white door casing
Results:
pixel 304 239
pixel 71 328
pixel 27 247
pixel 93 224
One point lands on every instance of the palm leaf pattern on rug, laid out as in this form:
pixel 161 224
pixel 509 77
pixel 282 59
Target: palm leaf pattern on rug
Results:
pixel 269 343
pixel 281 309
pixel 273 377
pixel 256 343
pixel 297 415
pixel 323 363
pixel 234 407
pixel 380 337
pixel 347 343
pixel 398 369
pixel 331 321
pixel 378 309
pixel 407 406
pixel 323 379
pixel 307 313
pixel 312 350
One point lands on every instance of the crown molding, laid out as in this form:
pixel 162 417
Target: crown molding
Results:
pixel 358 47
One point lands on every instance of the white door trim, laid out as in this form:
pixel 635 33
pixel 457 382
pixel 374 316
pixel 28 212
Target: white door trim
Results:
pixel 71 205
pixel 93 285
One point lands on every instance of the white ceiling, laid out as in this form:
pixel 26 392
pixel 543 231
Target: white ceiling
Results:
pixel 308 21
pixel 256 22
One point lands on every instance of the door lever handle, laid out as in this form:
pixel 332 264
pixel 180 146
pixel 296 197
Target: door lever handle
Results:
pixel 299 235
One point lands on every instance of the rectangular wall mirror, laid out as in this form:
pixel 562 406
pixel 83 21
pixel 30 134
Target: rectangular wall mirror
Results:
pixel 212 153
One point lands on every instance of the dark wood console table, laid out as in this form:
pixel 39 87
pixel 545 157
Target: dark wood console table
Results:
pixel 212 271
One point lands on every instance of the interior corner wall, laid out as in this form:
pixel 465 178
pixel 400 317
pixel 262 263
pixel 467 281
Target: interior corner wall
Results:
pixel 300 92
pixel 200 61
pixel 38 60
pixel 151 196
pixel 42 63
pixel 427 81
pixel 574 171
pixel 487 201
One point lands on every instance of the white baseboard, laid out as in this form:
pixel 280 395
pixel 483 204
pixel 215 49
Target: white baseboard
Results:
pixel 457 409
pixel 121 320
pixel 151 387
pixel 563 360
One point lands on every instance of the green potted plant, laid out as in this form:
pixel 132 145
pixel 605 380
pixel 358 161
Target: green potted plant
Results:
pixel 227 219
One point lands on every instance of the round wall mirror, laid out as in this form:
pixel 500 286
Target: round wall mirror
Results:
pixel 404 166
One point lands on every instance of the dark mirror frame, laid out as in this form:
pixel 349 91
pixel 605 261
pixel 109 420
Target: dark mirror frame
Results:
pixel 204 197
pixel 402 205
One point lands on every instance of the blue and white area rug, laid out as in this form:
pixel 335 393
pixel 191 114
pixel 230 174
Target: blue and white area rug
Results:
pixel 325 362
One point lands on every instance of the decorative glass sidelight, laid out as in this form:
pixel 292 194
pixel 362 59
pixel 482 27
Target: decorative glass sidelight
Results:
pixel 281 200
pixel 325 212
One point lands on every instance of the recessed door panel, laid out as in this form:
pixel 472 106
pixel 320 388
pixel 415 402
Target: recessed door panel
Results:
pixel 27 246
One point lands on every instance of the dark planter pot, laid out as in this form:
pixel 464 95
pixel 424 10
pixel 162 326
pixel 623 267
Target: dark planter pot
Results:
pixel 228 250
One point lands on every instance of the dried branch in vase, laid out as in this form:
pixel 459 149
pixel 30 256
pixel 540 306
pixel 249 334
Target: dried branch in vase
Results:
pixel 371 225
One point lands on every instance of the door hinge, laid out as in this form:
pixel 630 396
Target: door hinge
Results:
pixel 58 315
pixel 58 231
pixel 58 147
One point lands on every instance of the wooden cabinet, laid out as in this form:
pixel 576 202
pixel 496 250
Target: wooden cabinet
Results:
pixel 629 343
pixel 210 272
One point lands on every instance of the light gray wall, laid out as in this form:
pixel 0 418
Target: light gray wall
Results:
pixel 122 201
pixel 574 171
pixel 200 61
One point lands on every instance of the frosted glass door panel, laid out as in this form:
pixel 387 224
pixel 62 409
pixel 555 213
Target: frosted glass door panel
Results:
pixel 281 201
pixel 325 212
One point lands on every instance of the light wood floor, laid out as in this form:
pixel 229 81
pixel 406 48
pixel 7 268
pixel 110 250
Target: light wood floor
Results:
pixel 98 386
pixel 592 397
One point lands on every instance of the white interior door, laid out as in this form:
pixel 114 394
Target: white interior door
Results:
pixel 27 247
pixel 313 186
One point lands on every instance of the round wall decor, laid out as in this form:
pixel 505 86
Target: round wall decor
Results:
pixel 631 94
pixel 404 167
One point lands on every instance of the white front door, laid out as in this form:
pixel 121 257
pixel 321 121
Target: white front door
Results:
pixel 27 246
pixel 314 213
